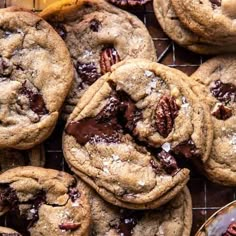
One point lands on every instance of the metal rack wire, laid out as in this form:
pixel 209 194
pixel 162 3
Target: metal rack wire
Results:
pixel 207 197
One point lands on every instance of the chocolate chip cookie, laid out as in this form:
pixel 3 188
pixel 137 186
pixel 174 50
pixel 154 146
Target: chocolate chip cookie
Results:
pixel 123 139
pixel 10 158
pixel 44 202
pixel 211 19
pixel 35 76
pixel 8 232
pixel 181 34
pixel 216 80
pixel 173 219
pixel 98 35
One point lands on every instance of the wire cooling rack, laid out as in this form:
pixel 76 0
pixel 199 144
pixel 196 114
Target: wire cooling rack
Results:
pixel 207 197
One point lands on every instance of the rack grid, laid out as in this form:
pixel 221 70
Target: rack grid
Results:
pixel 207 197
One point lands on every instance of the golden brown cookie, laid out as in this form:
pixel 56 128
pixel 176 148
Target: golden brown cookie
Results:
pixel 216 81
pixel 97 35
pixel 173 219
pixel 44 202
pixel 123 138
pixel 35 76
pixel 183 35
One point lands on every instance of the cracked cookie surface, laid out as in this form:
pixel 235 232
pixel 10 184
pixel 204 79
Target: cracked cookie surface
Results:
pixel 211 19
pixel 35 76
pixel 10 158
pixel 181 34
pixel 124 138
pixel 216 79
pixel 98 35
pixel 44 202
pixel 173 219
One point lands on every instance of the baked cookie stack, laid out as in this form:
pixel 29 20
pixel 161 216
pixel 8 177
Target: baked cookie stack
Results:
pixel 205 27
pixel 131 124
pixel 141 186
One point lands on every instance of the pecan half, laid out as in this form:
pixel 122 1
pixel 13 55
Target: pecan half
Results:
pixel 109 56
pixel 222 112
pixel 166 112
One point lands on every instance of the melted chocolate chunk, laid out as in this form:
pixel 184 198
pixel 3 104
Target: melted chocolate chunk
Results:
pixel 37 104
pixel 186 149
pixel 168 162
pixel 87 72
pixel 103 127
pixel 36 203
pixel 95 25
pixel 119 114
pixel 215 3
pixel 222 112
pixel 128 220
pixel 155 166
pixel 130 115
pixel 224 92
pixel 73 193
pixel 60 29
pixel 231 231
pixel 8 197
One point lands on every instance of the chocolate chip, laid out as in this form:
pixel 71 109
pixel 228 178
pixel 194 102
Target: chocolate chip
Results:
pixel 156 167
pixel 231 231
pixel 38 200
pixel 215 3
pixel 95 25
pixel 222 112
pixel 69 226
pixel 130 115
pixel 166 112
pixel 109 56
pixel 129 2
pixel 128 220
pixel 73 194
pixel 104 127
pixel 37 104
pixel 60 29
pixel 168 162
pixel 224 92
pixel 186 149
pixel 8 197
pixel 87 72
pixel 118 115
